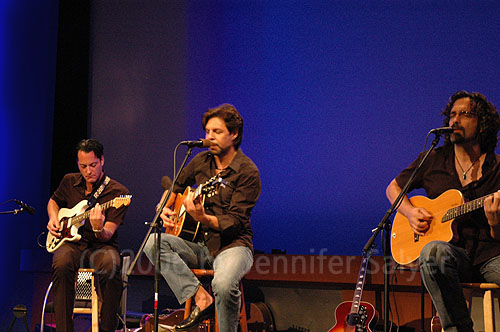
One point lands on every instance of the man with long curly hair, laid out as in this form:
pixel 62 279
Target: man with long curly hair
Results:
pixel 466 162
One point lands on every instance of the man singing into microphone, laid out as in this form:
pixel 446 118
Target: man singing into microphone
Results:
pixel 467 162
pixel 225 240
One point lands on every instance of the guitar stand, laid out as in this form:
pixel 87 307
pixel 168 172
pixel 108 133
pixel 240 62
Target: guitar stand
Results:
pixel 19 312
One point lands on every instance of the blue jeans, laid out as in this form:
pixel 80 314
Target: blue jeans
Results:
pixel 177 256
pixel 442 267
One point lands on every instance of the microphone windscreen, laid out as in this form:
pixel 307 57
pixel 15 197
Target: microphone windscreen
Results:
pixel 206 142
pixel 166 182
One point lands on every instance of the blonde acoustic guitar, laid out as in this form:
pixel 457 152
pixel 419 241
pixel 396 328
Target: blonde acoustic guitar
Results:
pixel 186 227
pixel 406 245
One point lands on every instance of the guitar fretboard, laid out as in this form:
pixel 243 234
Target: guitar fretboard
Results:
pixel 359 285
pixel 464 208
pixel 83 216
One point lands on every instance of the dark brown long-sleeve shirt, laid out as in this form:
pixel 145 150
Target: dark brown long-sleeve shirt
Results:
pixel 232 205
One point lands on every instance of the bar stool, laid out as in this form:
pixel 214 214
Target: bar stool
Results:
pixel 487 290
pixel 87 296
pixel 86 291
pixel 200 273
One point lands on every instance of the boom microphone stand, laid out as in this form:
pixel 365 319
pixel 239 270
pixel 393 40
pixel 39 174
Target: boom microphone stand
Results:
pixel 23 208
pixel 385 225
pixel 156 224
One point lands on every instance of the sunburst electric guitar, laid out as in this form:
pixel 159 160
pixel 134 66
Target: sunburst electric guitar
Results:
pixel 356 315
pixel 72 219
pixel 186 227
pixel 406 245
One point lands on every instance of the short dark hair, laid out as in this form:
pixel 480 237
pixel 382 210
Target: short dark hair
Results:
pixel 487 115
pixel 89 145
pixel 231 117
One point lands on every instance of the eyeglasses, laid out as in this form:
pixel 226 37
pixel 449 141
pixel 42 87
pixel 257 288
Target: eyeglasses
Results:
pixel 467 114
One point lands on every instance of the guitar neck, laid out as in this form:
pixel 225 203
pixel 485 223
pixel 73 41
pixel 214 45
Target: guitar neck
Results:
pixel 356 301
pixel 83 216
pixel 198 192
pixel 464 208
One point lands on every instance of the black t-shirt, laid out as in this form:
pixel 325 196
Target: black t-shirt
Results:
pixel 437 175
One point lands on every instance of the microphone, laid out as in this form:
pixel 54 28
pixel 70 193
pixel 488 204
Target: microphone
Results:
pixel 166 182
pixel 25 207
pixel 442 130
pixel 201 143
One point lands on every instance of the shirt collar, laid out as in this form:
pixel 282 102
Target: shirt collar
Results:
pixel 81 181
pixel 235 164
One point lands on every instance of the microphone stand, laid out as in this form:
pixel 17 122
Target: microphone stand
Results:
pixel 156 224
pixel 16 211
pixel 385 225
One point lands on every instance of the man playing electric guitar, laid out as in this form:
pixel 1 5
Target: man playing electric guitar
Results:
pixel 98 246
pixel 467 162
pixel 225 240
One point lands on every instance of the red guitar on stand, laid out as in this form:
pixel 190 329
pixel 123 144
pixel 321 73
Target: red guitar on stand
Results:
pixel 356 315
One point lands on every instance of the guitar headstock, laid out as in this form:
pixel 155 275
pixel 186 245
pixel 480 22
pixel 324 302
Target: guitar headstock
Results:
pixel 210 187
pixel 122 200
pixel 368 253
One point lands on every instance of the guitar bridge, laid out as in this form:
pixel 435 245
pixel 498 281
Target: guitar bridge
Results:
pixel 416 237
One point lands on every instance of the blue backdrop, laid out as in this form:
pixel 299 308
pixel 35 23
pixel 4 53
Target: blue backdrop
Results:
pixel 337 98
pixel 28 35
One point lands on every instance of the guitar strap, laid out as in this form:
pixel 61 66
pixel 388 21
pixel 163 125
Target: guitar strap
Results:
pixel 97 192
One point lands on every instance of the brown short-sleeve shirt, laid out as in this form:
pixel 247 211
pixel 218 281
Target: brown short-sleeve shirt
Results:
pixel 71 191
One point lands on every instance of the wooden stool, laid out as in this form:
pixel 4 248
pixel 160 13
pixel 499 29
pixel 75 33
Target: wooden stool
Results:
pixel 243 316
pixel 486 290
pixel 86 290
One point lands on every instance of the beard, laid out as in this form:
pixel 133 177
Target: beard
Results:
pixel 459 138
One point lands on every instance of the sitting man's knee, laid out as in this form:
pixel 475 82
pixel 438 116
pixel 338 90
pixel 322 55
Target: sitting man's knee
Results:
pixel 105 261
pixel 225 288
pixel 434 251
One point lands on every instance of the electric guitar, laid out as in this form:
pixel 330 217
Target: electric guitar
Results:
pixel 356 315
pixel 186 227
pixel 72 219
pixel 406 245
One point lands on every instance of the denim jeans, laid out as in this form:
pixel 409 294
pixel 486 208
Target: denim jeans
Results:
pixel 442 267
pixel 177 256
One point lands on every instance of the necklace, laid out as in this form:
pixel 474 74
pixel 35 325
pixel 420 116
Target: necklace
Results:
pixel 464 174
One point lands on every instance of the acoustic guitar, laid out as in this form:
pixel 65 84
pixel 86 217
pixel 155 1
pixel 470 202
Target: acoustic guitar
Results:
pixel 186 227
pixel 356 315
pixel 72 219
pixel 406 245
